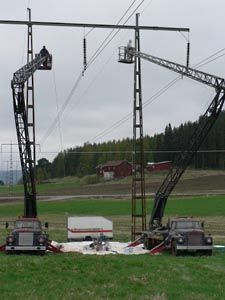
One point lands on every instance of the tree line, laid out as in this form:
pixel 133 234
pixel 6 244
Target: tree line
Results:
pixel 83 160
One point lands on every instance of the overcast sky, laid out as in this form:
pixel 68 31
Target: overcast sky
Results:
pixel 104 95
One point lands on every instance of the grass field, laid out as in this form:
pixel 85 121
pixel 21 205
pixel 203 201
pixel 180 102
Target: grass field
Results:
pixel 76 276
pixel 130 277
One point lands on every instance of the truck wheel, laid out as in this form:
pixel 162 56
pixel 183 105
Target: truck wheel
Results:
pixel 146 243
pixel 174 250
pixel 209 252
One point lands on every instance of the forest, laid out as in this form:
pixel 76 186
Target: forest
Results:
pixel 83 160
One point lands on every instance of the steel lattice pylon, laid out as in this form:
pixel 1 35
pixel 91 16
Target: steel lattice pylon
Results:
pixel 138 178
pixel 30 122
pixel 129 55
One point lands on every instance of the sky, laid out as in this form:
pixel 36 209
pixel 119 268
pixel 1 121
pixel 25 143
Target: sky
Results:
pixel 72 109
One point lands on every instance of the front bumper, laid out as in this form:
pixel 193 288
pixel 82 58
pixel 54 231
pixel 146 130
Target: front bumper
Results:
pixel 25 248
pixel 187 247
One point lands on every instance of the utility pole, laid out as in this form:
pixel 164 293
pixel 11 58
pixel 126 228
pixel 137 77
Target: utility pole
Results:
pixel 138 161
pixel 30 109
pixel 10 171
pixel 30 93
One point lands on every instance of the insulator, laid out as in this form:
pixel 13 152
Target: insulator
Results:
pixel 85 54
pixel 188 54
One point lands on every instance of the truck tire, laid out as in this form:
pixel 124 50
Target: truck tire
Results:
pixel 146 243
pixel 174 250
pixel 149 243
pixel 209 252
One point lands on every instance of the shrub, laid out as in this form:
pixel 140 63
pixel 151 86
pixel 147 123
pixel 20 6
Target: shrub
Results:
pixel 91 179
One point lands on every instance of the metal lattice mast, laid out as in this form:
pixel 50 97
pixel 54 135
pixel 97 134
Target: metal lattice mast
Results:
pixel 30 101
pixel 30 91
pixel 10 171
pixel 138 178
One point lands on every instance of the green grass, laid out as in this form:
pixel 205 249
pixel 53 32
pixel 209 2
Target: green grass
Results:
pixel 197 206
pixel 72 276
pixel 74 207
pixel 75 276
pixel 57 183
pixel 17 189
pixel 200 206
pixel 56 212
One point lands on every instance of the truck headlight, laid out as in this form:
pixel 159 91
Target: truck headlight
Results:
pixel 41 239
pixel 10 239
pixel 180 240
pixel 208 240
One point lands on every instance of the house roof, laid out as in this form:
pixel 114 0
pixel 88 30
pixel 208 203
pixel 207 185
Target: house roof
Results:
pixel 158 163
pixel 114 163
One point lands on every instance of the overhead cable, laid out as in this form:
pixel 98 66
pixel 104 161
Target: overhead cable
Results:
pixel 129 116
pixel 154 97
pixel 97 53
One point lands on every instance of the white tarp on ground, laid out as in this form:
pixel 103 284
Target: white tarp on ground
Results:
pixel 107 248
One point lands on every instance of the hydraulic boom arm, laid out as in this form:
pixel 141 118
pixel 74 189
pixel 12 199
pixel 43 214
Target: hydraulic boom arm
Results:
pixel 41 61
pixel 208 79
pixel 126 54
pixel 205 124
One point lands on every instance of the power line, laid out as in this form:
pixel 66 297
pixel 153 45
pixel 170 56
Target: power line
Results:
pixel 97 53
pixel 100 49
pixel 129 116
pixel 127 151
pixel 50 129
pixel 93 58
pixel 201 65
pixel 204 61
pixel 155 96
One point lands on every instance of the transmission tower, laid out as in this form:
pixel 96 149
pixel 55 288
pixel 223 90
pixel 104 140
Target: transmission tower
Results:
pixel 10 171
pixel 138 161
pixel 30 105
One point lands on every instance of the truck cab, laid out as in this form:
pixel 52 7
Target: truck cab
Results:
pixel 27 237
pixel 187 234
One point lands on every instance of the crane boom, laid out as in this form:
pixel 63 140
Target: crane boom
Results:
pixel 179 166
pixel 41 61
pixel 126 55
pixel 205 78
pixel 22 75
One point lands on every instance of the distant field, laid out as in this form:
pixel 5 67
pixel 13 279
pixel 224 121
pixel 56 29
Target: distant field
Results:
pixel 193 182
pixel 191 205
pixel 208 208
pixel 204 201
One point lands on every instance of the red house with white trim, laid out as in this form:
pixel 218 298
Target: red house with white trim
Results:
pixel 115 169
pixel 158 166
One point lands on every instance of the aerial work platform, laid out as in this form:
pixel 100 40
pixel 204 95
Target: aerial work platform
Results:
pixel 126 55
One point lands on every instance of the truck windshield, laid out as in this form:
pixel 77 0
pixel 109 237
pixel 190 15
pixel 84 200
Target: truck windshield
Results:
pixel 186 225
pixel 27 224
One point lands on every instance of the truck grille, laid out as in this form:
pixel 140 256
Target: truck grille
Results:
pixel 25 238
pixel 195 238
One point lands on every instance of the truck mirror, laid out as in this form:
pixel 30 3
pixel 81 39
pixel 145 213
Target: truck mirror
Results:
pixel 46 224
pixel 6 225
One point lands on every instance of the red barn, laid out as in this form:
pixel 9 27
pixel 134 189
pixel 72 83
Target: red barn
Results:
pixel 115 169
pixel 162 165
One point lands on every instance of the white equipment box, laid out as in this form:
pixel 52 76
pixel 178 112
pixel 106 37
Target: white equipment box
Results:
pixel 87 228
